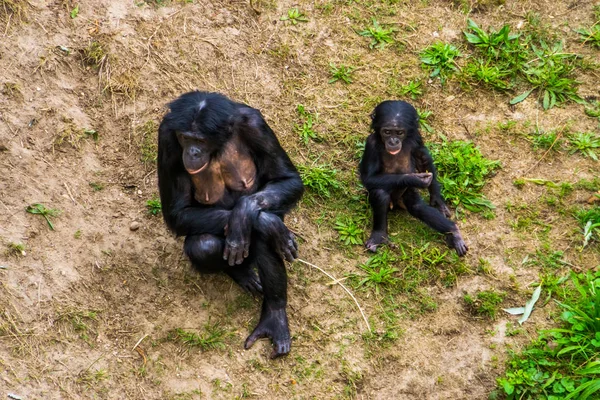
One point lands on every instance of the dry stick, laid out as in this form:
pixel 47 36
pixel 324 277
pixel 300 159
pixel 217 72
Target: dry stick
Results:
pixel 343 287
pixel 546 153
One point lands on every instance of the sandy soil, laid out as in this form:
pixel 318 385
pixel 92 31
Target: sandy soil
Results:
pixel 86 310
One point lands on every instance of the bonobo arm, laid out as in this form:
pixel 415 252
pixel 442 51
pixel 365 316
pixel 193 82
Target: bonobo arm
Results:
pixel 279 184
pixel 373 177
pixel 176 196
pixel 425 163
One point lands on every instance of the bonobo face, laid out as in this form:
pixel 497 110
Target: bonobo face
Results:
pixel 392 137
pixel 196 151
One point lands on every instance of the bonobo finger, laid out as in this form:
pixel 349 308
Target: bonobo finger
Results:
pixel 254 336
pixel 246 250
pixel 294 249
pixel 226 252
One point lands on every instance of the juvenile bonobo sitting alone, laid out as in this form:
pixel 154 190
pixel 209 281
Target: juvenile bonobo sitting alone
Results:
pixel 394 166
pixel 225 184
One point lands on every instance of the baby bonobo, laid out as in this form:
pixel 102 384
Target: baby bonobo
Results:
pixel 394 166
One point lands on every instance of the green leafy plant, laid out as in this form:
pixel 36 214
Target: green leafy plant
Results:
pixel 306 130
pixel 378 271
pixel 489 74
pixel 413 89
pixel 496 44
pixel 380 37
pixel 340 73
pixel 463 171
pixel 590 35
pixel 74 12
pixel 349 231
pixel 589 221
pixel 17 249
pixel 585 143
pixel 440 59
pixel 294 16
pixel 154 206
pixel 41 209
pixel 563 362
pixel 320 179
pixel 546 140
pixel 423 120
pixel 550 73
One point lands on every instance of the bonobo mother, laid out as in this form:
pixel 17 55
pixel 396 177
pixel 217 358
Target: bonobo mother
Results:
pixel 226 184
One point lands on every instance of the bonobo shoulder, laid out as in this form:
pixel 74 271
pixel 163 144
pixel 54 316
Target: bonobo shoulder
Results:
pixel 247 117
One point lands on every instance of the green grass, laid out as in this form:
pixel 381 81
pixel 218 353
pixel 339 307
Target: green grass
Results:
pixel 41 209
pixel 545 140
pixel 148 143
pixel 294 16
pixel 589 220
pixel 380 36
pixel 349 231
pixel 320 180
pixel 96 186
pixel 154 206
pixel 378 271
pixel 94 54
pixel 590 35
pixel 562 363
pixel 306 127
pixel 463 172
pixel 585 143
pixel 414 89
pixel 341 73
pixel 212 337
pixel 486 303
pixel 439 58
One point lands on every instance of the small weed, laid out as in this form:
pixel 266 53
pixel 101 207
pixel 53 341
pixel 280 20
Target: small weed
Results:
pixel 94 54
pixel 550 73
pixel 93 377
pixel 378 271
pixel 80 321
pixel 77 234
pixel 16 249
pixel 320 179
pixel 154 206
pixel 491 75
pixel 589 221
pixel 96 186
pixel 546 140
pixel 73 135
pixel 463 171
pixel 423 120
pixel 585 143
pixel 413 89
pixel 341 73
pixel 147 142
pixel 40 209
pixel 349 231
pixel 562 362
pixel 440 59
pixel 380 37
pixel 590 35
pixel 494 44
pixel 306 130
pixel 486 303
pixel 12 90
pixel 211 338
pixel 294 16
pixel 74 12
pixel 593 109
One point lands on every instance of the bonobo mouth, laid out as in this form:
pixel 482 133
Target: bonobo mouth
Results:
pixel 194 172
pixel 394 152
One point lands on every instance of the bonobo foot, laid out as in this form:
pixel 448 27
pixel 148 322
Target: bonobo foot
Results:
pixel 247 278
pixel 455 241
pixel 375 240
pixel 274 325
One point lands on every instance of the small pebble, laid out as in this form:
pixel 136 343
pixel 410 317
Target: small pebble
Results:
pixel 134 226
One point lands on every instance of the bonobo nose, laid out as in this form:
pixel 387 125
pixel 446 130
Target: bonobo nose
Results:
pixel 395 141
pixel 194 152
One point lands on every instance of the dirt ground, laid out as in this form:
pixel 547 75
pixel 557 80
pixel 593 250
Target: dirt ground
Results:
pixel 88 310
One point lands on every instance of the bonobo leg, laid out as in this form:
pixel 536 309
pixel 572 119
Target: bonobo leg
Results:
pixel 206 254
pixel 436 220
pixel 273 322
pixel 380 203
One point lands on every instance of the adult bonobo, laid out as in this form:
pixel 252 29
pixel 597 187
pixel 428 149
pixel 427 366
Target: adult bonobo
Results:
pixel 225 184
pixel 394 166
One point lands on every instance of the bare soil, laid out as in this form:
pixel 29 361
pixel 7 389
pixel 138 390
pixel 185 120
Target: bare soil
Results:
pixel 86 310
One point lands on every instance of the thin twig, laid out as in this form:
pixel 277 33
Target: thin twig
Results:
pixel 344 287
pixel 140 341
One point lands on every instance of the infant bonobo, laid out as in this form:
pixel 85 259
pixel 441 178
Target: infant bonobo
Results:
pixel 395 165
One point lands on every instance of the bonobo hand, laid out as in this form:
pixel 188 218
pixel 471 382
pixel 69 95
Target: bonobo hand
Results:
pixel 275 231
pixel 423 180
pixel 239 230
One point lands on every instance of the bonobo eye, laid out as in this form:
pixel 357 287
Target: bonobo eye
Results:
pixel 401 132
pixel 386 132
